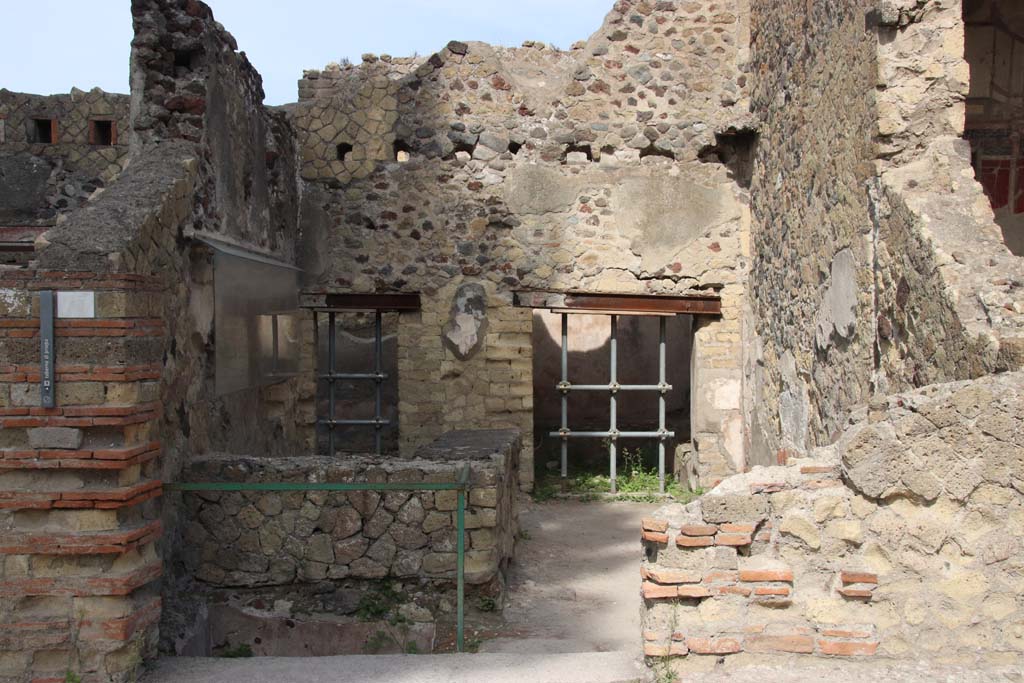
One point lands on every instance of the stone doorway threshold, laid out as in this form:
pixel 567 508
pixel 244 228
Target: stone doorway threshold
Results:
pixel 572 615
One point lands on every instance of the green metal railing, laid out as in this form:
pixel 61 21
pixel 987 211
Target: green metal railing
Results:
pixel 460 486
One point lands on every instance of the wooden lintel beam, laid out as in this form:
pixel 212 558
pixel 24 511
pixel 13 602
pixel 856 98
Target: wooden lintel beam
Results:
pixel 623 304
pixel 362 302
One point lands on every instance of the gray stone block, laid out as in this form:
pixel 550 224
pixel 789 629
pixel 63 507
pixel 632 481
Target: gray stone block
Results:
pixel 55 437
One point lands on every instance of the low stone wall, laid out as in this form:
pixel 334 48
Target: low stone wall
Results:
pixel 273 538
pixel 903 539
pixel 354 556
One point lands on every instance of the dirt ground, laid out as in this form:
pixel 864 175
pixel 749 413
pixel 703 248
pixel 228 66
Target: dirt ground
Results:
pixel 575 582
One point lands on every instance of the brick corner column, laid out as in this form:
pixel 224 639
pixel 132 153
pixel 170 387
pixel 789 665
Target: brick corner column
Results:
pixel 79 482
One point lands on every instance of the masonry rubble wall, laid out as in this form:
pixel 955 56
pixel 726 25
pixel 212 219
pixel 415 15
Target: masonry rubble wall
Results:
pixel 900 540
pixel 135 375
pixel 532 168
pixel 879 279
pixel 312 536
pixel 879 267
pixel 46 178
pixel 340 543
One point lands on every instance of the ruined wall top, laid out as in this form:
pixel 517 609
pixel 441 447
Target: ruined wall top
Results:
pixel 55 152
pixel 190 82
pixel 657 78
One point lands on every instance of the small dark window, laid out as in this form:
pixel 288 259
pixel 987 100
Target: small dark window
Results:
pixel 572 148
pixel 514 147
pixel 344 149
pixel 43 130
pixel 102 133
pixel 402 151
pixel 186 59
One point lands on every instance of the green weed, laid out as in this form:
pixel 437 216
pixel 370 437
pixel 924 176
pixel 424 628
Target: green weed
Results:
pixel 238 651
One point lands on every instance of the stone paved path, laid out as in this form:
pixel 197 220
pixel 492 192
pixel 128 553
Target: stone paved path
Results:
pixel 575 582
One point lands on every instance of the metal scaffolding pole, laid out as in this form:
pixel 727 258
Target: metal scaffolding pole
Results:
pixel 378 361
pixel 662 382
pixel 331 345
pixel 613 433
pixel 565 395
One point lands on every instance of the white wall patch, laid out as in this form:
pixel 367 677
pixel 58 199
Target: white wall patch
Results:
pixel 76 304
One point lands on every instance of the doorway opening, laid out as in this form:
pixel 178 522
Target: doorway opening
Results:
pixel 612 386
pixel 994 49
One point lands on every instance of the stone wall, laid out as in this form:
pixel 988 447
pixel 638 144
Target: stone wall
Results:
pixel 901 540
pixel 878 266
pixel 140 371
pixel 810 278
pixel 345 541
pixel 535 169
pixel 190 82
pixel 48 176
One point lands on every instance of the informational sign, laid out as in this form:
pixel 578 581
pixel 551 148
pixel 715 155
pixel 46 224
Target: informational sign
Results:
pixel 47 390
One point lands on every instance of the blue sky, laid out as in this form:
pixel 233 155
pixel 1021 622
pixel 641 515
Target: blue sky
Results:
pixel 85 43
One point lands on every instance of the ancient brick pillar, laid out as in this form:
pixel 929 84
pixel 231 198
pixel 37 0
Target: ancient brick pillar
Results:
pixel 79 482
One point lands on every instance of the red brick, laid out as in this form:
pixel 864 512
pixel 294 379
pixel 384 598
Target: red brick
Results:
pixel 78 586
pixel 721 575
pixel 654 537
pixel 82 543
pixel 714 646
pixel 656 650
pixel 121 629
pixel 855 592
pixel 658 525
pixel 699 529
pixel 816 469
pixel 737 528
pixel 776 591
pixel 784 575
pixel 858 577
pixel 693 591
pixel 119 494
pixel 733 539
pixel 844 633
pixel 670 576
pixel 694 542
pixel 788 643
pixel 841 648
pixel 733 590
pixel 653 591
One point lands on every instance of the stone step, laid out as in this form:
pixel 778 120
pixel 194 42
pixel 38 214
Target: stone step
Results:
pixel 586 667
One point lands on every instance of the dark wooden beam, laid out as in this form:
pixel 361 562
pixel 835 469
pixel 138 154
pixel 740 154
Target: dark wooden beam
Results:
pixel 362 302
pixel 696 304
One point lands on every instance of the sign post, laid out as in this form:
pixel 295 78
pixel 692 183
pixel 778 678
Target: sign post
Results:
pixel 47 392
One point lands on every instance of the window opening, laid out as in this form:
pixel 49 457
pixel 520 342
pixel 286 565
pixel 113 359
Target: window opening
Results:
pixel 336 413
pixel 43 131
pixel 102 133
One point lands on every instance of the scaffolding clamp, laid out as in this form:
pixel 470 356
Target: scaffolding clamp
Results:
pixel 564 386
